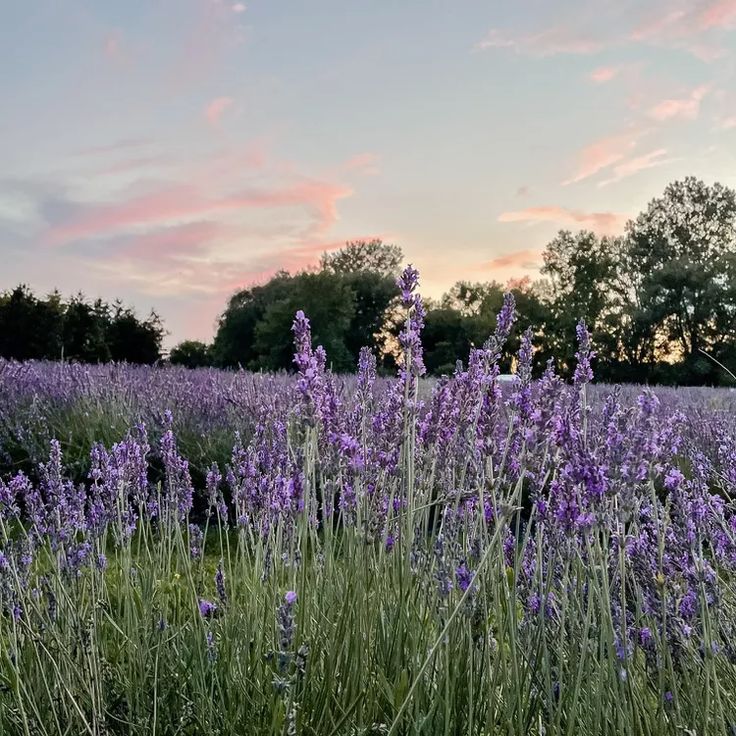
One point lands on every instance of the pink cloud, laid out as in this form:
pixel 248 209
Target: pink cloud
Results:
pixel 660 25
pixel 550 42
pixel 728 123
pixel 601 154
pixel 604 74
pixel 115 48
pixel 528 259
pixel 365 163
pixel 601 222
pixel 182 260
pixel 238 8
pixel 719 14
pixel 216 109
pixel 689 27
pixel 187 202
pixel 637 164
pixel 684 108
pixel 678 24
pixel 173 242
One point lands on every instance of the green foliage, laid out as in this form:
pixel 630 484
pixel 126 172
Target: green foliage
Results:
pixel 359 256
pixel 191 354
pixel 347 301
pixel 32 328
pixel 656 298
pixel 466 317
pixel 132 340
pixel 330 304
pixel 680 260
pixel 579 269
pixel 29 327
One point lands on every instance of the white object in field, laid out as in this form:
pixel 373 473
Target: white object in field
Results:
pixel 506 377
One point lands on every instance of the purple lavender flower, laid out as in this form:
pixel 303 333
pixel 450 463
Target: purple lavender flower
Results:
pixel 196 541
pixel 583 371
pixel 220 584
pixel 285 621
pixel 410 336
pixel 207 609
pixel 463 576
pixel 407 283
pixel 506 318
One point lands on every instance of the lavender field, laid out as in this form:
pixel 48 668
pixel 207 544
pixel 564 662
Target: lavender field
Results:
pixel 201 552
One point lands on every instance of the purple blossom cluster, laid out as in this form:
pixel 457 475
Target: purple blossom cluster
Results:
pixel 583 488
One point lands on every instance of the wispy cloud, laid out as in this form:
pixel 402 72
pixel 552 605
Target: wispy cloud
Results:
pixel 686 19
pixel 238 7
pixel 718 14
pixel 133 165
pixel 528 258
pixel 604 74
pixel 364 163
pixel 600 222
pixel 683 108
pixel 181 260
pixel 688 25
pixel 634 165
pixel 187 202
pixel 603 153
pixel 549 42
pixel 216 108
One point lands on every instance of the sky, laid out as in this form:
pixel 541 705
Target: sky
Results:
pixel 169 152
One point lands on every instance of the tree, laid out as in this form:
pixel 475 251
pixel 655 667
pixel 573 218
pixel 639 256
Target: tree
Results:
pixel 356 283
pixel 75 330
pixel 131 340
pixel 191 354
pixel 29 328
pixel 680 262
pixel 254 332
pixel 580 271
pixel 329 303
pixel 364 255
pixel 369 269
pixel 445 339
pixel 234 344
pixel 85 330
pixel 466 318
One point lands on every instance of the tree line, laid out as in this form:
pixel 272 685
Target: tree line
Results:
pixel 659 300
pixel 75 329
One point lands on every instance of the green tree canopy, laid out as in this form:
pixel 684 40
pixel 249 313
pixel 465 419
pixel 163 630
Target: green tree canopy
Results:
pixel 76 330
pixel 347 301
pixel 680 264
pixel 191 354
pixel 364 255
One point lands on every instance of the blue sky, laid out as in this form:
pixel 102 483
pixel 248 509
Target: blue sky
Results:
pixel 169 151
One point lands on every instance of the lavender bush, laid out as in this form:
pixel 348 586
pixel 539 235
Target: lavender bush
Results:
pixel 373 558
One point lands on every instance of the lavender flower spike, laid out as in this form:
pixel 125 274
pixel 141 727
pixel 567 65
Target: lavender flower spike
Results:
pixel 583 371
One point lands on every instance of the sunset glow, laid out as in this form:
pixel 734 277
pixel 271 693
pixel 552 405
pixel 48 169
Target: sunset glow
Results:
pixel 169 152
